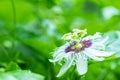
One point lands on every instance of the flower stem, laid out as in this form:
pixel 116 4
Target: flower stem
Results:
pixel 73 72
pixel 14 29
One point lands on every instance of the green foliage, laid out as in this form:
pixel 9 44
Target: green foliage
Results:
pixel 20 75
pixel 30 30
pixel 13 72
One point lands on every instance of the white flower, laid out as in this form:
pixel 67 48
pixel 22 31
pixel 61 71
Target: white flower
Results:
pixel 78 51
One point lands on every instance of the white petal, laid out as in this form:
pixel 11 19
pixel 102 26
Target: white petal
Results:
pixel 57 57
pixel 60 49
pixel 100 53
pixel 81 64
pixel 66 66
pixel 98 46
pixel 87 37
pixel 104 40
pixel 97 35
pixel 91 37
pixel 90 55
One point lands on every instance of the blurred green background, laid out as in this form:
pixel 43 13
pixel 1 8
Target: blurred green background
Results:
pixel 31 29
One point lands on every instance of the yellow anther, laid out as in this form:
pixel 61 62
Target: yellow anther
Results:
pixel 75 36
pixel 80 33
pixel 67 36
pixel 76 31
pixel 84 32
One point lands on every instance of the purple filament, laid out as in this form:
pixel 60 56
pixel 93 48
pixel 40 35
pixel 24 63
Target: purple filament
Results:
pixel 85 44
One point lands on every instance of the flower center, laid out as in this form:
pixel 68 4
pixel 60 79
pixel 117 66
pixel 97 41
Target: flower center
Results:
pixel 77 47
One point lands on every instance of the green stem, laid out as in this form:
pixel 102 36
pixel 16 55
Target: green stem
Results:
pixel 15 27
pixel 73 72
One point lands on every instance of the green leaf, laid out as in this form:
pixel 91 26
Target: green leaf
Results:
pixel 12 66
pixel 44 48
pixel 15 73
pixel 20 75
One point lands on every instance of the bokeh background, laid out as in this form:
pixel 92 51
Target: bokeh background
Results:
pixel 31 29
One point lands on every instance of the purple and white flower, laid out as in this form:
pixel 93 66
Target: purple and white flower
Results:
pixel 79 49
